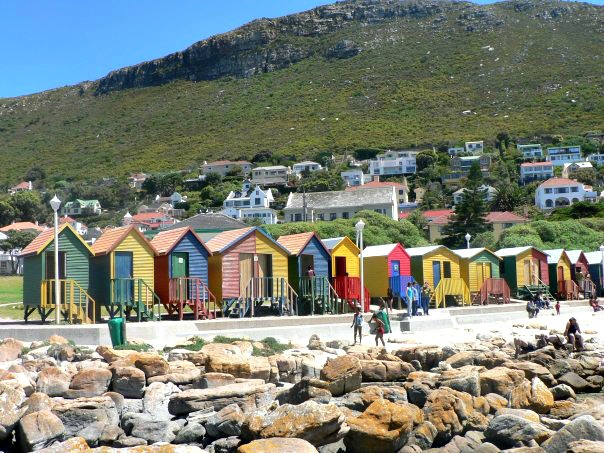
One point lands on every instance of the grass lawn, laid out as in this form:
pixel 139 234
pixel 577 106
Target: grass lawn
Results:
pixel 11 289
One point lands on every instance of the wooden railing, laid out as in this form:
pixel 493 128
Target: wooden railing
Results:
pixel 588 288
pixel 568 290
pixel 349 288
pixel 129 294
pixel 494 288
pixel 320 296
pixel 76 303
pixel 451 287
pixel 276 290
pixel 190 292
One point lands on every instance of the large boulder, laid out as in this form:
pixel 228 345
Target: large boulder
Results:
pixel 532 395
pixel 467 381
pixel 385 370
pixel 12 408
pixel 343 374
pixel 214 349
pixel 509 431
pixel 157 398
pixel 192 433
pixel 53 381
pixel 278 444
pixel 89 382
pixel 152 365
pixel 73 445
pixel 361 399
pixel 585 446
pixel 226 422
pixel 198 358
pixel 384 426
pixel 181 372
pixel 532 370
pixel 247 395
pixel 563 392
pixel 567 365
pixel 38 429
pixel 307 389
pixel 154 430
pixel 427 356
pixel 319 424
pixel 10 349
pixel 128 381
pixel 80 414
pixel 211 380
pixel 38 402
pixel 239 366
pixel 584 427
pixel 577 383
pixel 500 380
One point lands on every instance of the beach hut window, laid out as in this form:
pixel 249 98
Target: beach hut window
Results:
pixel 50 265
pixel 447 269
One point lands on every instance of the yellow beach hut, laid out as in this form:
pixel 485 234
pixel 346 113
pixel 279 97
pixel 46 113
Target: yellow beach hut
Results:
pixel 560 276
pixel 479 269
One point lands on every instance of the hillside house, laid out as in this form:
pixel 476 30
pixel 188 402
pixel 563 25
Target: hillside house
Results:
pixel 456 151
pixel 394 163
pixel 148 221
pixel 355 177
pixel 343 204
pixel 532 151
pixel 489 193
pixel 558 192
pixel 23 186
pixel 597 159
pixel 464 163
pixel 82 208
pixel 560 155
pixel 250 202
pixel 23 226
pixel 306 166
pixel 136 180
pixel 500 221
pixel 79 227
pixel 224 167
pixel 276 175
pixel 402 189
pixel 573 170
pixel 475 148
pixel 536 171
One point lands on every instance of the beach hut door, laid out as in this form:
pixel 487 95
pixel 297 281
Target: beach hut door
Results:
pixel 560 273
pixel 124 285
pixel 180 264
pixel 305 261
pixel 436 272
pixel 395 268
pixel 340 266
pixel 246 271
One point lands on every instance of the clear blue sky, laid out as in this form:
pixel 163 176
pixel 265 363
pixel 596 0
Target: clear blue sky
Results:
pixel 47 44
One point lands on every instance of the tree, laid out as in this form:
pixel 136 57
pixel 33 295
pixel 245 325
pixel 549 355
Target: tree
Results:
pixel 321 181
pixel 469 216
pixel 162 184
pixel 508 197
pixel 544 234
pixel 14 243
pixel 35 174
pixel 212 179
pixel 7 213
pixel 27 206
pixel 502 142
pixel 425 159
pixel 418 219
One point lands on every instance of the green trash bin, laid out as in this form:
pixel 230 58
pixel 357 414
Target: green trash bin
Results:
pixel 116 331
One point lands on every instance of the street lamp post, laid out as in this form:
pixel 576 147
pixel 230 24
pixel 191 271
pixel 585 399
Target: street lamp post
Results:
pixel 468 237
pixel 55 204
pixel 360 225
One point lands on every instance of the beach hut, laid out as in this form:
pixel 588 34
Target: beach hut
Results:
pixel 479 269
pixel 596 260
pixel 315 291
pixel 560 281
pixel 122 274
pixel 387 265
pixel 346 270
pixel 580 273
pixel 249 269
pixel 439 267
pixel 39 276
pixel 181 273
pixel 525 269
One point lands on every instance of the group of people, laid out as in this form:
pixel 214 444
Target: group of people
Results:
pixel 381 320
pixel 417 297
pixel 538 303
pixel 572 337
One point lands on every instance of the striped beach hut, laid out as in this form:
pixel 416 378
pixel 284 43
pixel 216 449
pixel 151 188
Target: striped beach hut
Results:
pixel 39 278
pixel 479 269
pixel 123 272
pixel 387 265
pixel 181 272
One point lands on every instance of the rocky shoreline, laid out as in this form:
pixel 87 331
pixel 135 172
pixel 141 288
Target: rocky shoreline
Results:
pixel 328 397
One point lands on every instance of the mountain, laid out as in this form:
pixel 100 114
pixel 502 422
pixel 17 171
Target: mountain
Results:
pixel 356 74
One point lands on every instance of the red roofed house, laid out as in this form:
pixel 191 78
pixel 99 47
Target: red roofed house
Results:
pixel 499 220
pixel 402 189
pixel 21 187
pixel 78 226
pixel 148 220
pixel 23 226
pixel 430 214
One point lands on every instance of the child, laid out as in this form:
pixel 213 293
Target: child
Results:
pixel 557 307
pixel 357 323
pixel 379 330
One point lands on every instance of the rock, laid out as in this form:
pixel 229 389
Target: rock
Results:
pixel 361 399
pixel 129 442
pixel 213 349
pixel 532 370
pixel 423 436
pixel 180 372
pixel 343 49
pixel 118 400
pixel 38 429
pixel 154 430
pixel 582 428
pixel 527 414
pixel 226 445
pixel 152 365
pixel 110 434
pixel 89 383
pixel 427 356
pixel 240 366
pixel 343 374
pixel 500 380
pixel 157 399
pixel 52 381
pixel 565 409
pixel 309 389
pixel 577 383
pixel 563 366
pixel 73 445
pixel 417 393
pixel 319 424
pixel 508 431
pixel 496 401
pixel 197 358
pixel 192 433
pixel 249 396
pixel 563 392
pixel 384 370
pixel 10 349
pixel 38 402
pixel 384 426
pixel 11 408
pixel 278 444
pixel 57 339
pixel 128 381
pixel 532 395
pixel 337 344
pixel 585 446
pixel 213 380
pixel 226 422
pixel 62 352
pixel 78 414
pixel 461 380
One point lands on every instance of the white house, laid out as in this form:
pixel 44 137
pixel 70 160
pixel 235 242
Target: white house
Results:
pixel 475 147
pixel 306 166
pixel 455 151
pixel 353 178
pixel 250 202
pixel 136 180
pixel 531 151
pixel 597 159
pixel 571 170
pixel 558 192
pixel 82 207
pixel 224 167
pixel 536 171
pixel 489 193
pixel 562 154
pixel 276 175
pixel 394 163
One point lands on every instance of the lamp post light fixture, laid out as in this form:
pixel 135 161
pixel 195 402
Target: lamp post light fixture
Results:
pixel 55 204
pixel 468 237
pixel 360 225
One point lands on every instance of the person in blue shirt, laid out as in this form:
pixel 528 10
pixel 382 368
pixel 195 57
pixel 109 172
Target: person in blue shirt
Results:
pixel 416 294
pixel 409 299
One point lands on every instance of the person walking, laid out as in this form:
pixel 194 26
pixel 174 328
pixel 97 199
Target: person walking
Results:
pixel 416 294
pixel 382 315
pixel 379 330
pixel 390 297
pixel 409 298
pixel 426 296
pixel 573 334
pixel 557 307
pixel 357 323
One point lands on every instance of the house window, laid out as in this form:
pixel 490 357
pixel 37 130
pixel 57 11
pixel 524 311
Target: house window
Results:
pixel 446 269
pixel 257 201
pixel 549 203
pixel 298 217
pixel 332 216
pixel 574 189
pixel 548 190
pixel 321 216
pixel 345 215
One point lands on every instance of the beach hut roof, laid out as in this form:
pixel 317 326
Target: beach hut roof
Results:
pixel 45 238
pixel 512 251
pixel 110 239
pixel 420 251
pixel 332 242
pixel 165 241
pixel 227 239
pixel 574 255
pixel 593 257
pixel 470 253
pixel 296 243
pixel 378 250
pixel 553 256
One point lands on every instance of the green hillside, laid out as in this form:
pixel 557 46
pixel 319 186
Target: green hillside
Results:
pixel 528 68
